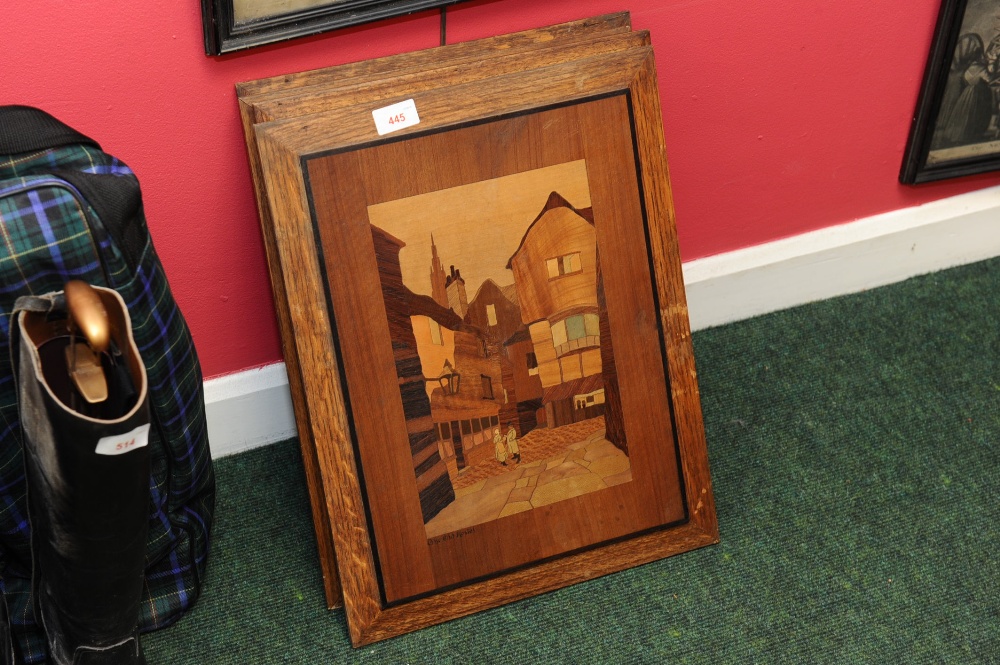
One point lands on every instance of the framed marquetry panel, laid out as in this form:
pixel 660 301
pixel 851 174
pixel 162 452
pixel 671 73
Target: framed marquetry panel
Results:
pixel 372 81
pixel 488 314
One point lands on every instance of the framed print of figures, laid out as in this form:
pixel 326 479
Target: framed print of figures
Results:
pixel 489 319
pixel 232 25
pixel 956 127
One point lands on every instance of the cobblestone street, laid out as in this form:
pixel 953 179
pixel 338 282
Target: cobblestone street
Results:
pixel 555 465
pixel 538 444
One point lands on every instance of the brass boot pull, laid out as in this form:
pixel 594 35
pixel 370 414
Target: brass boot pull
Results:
pixel 88 316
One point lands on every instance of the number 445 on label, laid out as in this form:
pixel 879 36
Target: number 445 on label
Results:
pixel 395 117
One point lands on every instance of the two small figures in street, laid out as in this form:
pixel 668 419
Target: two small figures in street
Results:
pixel 505 447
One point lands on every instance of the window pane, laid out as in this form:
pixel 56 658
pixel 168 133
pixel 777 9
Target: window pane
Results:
pixel 592 324
pixel 435 332
pixel 491 314
pixel 552 265
pixel 575 328
pixel 559 333
pixel 571 263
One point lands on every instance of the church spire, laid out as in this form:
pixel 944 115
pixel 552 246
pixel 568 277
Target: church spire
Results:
pixel 438 290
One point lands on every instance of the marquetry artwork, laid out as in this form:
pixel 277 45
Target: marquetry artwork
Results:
pixel 507 358
pixel 483 318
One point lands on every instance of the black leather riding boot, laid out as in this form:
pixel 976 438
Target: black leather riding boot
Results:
pixel 87 468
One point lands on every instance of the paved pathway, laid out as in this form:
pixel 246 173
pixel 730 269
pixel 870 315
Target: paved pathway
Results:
pixel 538 444
pixel 573 466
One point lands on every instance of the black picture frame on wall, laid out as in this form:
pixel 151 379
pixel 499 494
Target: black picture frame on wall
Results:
pixel 956 126
pixel 234 25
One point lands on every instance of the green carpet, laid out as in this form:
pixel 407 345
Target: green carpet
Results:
pixel 855 454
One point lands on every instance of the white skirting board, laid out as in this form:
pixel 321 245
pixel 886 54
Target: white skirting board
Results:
pixel 843 259
pixel 249 409
pixel 253 408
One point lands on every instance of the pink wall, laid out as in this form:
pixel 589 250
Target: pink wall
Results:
pixel 781 117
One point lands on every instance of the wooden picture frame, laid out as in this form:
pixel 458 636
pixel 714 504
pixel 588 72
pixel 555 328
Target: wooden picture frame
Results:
pixel 590 127
pixel 234 25
pixel 956 126
pixel 295 95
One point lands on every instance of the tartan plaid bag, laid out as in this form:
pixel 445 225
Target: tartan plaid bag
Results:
pixel 68 210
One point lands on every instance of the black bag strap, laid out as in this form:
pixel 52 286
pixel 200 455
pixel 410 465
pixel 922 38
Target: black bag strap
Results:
pixel 27 129
pixel 118 204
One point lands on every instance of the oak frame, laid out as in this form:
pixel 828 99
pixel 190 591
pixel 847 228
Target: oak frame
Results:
pixel 295 95
pixel 286 146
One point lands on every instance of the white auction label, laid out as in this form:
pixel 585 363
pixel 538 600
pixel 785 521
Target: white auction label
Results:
pixel 120 444
pixel 393 118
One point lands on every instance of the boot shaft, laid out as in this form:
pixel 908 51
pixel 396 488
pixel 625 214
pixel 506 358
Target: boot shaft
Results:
pixel 87 467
